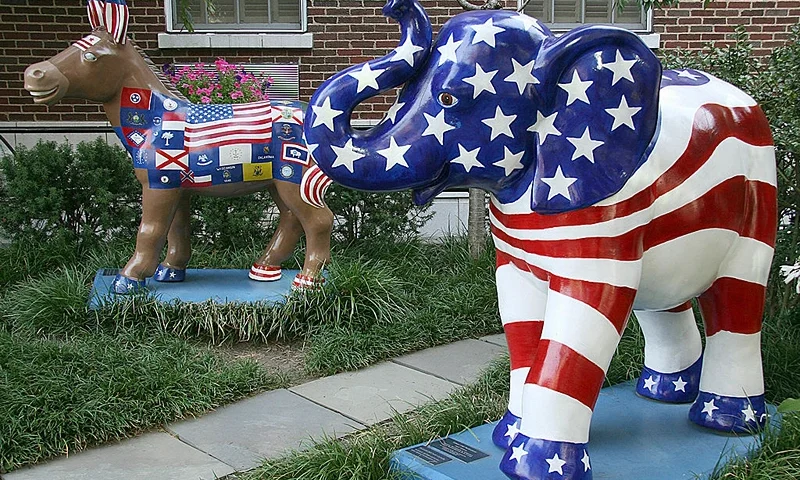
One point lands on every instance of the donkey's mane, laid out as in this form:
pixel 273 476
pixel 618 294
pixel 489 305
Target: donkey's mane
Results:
pixel 158 72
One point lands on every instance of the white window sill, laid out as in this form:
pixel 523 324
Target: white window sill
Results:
pixel 652 40
pixel 235 40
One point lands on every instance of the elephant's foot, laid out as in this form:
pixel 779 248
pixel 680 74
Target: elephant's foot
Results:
pixel 678 387
pixel 265 273
pixel 306 282
pixel 506 430
pixel 125 286
pixel 169 274
pixel 535 459
pixel 729 414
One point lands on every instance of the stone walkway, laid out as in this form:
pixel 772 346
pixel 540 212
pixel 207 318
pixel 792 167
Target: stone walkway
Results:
pixel 239 436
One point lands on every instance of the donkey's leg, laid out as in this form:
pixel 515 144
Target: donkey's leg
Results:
pixel 179 244
pixel 158 209
pixel 731 395
pixel 582 326
pixel 522 299
pixel 317 224
pixel 267 267
pixel 672 353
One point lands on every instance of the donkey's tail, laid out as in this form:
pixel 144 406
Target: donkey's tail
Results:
pixel 313 186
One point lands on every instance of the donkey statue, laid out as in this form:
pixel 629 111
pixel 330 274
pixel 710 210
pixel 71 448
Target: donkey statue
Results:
pixel 179 149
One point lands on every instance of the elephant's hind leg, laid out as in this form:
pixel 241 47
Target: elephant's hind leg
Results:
pixel 672 354
pixel 731 397
pixel 179 244
pixel 268 266
pixel 522 299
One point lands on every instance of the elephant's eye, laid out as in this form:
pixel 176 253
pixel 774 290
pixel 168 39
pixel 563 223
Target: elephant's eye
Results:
pixel 90 57
pixel 446 99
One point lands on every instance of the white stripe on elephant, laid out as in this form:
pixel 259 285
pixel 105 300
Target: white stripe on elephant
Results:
pixel 748 260
pixel 672 340
pixel 554 416
pixel 732 365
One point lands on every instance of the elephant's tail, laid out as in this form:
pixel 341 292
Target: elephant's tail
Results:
pixel 313 186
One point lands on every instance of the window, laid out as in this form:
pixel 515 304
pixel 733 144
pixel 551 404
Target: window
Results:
pixel 567 14
pixel 240 15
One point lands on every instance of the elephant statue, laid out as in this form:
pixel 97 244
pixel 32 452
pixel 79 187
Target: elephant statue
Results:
pixel 179 149
pixel 615 187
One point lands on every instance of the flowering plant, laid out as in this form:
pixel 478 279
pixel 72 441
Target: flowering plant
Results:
pixel 791 272
pixel 224 83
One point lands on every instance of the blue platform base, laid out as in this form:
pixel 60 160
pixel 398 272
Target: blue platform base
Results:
pixel 631 437
pixel 201 285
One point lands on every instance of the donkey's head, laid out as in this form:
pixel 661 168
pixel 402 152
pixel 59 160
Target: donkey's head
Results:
pixel 92 68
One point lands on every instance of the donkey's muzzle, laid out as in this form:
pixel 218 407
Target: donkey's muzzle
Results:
pixel 45 83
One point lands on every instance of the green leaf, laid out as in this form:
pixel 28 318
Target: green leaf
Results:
pixel 789 405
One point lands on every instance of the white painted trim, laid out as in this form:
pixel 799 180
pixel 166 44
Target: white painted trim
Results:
pixel 236 40
pixel 170 17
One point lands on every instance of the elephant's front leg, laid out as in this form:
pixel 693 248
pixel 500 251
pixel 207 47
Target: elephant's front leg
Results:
pixel 582 326
pixel 179 244
pixel 158 209
pixel 521 298
pixel 267 268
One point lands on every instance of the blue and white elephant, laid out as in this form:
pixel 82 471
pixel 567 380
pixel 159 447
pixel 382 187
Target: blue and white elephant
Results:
pixel 615 186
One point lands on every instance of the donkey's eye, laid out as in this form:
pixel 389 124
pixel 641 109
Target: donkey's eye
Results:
pixel 446 99
pixel 90 57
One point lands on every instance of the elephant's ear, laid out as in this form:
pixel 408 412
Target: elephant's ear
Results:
pixel 597 117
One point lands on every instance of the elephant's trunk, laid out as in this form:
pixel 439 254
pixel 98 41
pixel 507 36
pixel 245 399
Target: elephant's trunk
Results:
pixel 351 157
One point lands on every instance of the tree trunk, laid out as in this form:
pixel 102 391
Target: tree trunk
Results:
pixel 476 225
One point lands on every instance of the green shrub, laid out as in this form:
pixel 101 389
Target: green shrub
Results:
pixel 227 222
pixel 775 84
pixel 84 194
pixel 374 216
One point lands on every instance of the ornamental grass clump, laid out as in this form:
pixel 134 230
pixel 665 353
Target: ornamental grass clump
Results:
pixel 221 82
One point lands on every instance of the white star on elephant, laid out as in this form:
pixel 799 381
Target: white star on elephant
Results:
pixel 623 115
pixel 517 453
pixel 749 414
pixel 500 124
pixel 366 77
pixel 545 126
pixel 555 464
pixel 405 52
pixel 395 154
pixel 680 385
pixel 486 32
pixel 528 22
pixel 584 146
pixel 393 111
pixel 559 184
pixel 649 383
pixel 688 74
pixel 621 68
pixel 510 161
pixel 709 407
pixel 522 75
pixel 481 81
pixel 447 52
pixel 576 89
pixel 585 460
pixel 512 430
pixel 467 158
pixel 437 126
pixel 325 114
pixel 346 155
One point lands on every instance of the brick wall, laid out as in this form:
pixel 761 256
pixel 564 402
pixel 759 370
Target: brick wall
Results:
pixel 345 32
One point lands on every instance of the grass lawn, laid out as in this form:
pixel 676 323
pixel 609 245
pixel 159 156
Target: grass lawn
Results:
pixel 71 378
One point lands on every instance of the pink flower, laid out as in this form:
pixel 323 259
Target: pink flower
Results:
pixel 205 99
pixel 236 94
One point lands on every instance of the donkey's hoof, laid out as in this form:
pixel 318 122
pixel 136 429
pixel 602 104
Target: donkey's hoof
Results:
pixel 265 273
pixel 169 274
pixel 729 414
pixel 534 459
pixel 506 430
pixel 125 286
pixel 306 282
pixel 678 387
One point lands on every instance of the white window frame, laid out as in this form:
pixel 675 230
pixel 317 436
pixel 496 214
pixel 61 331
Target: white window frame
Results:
pixel 169 9
pixel 563 27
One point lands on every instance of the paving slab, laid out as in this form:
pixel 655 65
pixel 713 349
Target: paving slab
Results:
pixel 152 456
pixel 373 394
pixel 459 362
pixel 265 426
pixel 498 339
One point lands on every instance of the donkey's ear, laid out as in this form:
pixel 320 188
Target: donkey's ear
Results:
pixel 598 115
pixel 116 19
pixel 96 9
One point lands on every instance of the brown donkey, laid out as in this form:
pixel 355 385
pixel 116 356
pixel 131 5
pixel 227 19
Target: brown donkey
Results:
pixel 179 149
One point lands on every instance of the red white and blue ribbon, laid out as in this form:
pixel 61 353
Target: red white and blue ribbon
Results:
pixel 116 19
pixel 313 187
pixel 95 9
